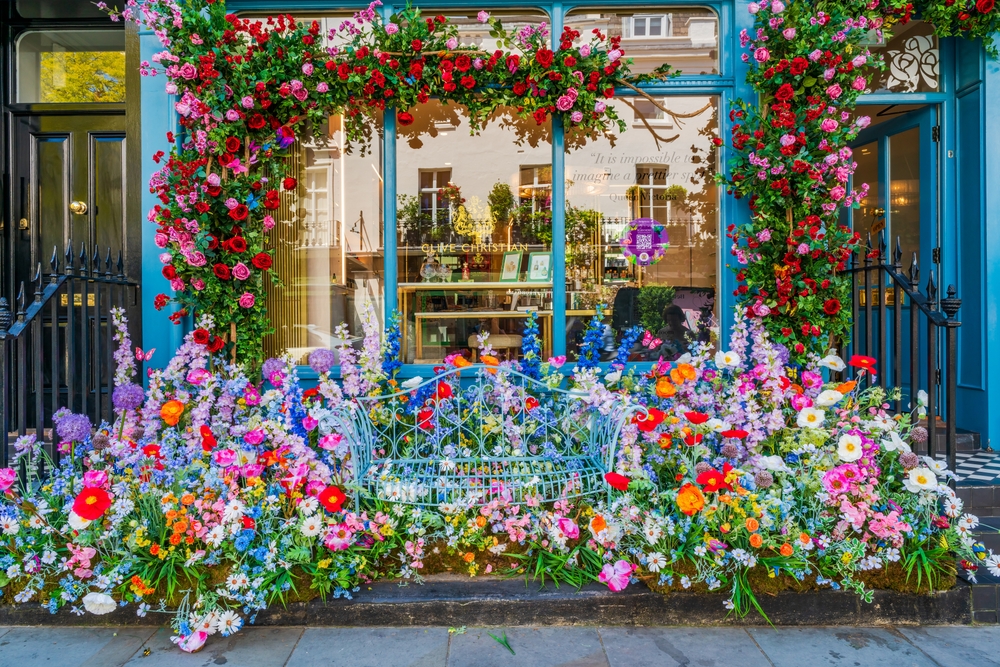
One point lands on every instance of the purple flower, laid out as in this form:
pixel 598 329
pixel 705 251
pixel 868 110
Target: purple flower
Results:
pixel 128 397
pixel 272 366
pixel 322 360
pixel 74 427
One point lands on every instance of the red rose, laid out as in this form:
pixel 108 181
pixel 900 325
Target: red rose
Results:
pixel 213 242
pixel 985 6
pixel 216 344
pixel 463 62
pixel 256 122
pixel 520 88
pixel 169 272
pixel 232 144
pixel 784 93
pixel 332 499
pixel 262 261
pixel 240 212
pixel 222 272
pixel 468 81
pixel 416 45
pixel 544 58
pixel 831 306
pixel 237 244
pixel 405 118
pixel 272 199
pixel 569 61
pixel 201 336
pixel 617 481
pixel 289 183
pixel 214 190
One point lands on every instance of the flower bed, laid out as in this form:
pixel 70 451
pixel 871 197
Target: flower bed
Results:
pixel 213 496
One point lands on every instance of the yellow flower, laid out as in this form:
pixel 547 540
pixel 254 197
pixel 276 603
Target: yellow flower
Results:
pixel 847 557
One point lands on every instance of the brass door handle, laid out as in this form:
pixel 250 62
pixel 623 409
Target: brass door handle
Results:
pixel 78 207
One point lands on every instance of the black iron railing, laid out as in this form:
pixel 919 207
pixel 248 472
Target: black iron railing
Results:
pixel 57 349
pixel 922 342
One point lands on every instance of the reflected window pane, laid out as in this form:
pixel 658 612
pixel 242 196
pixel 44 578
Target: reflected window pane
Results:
pixel 685 37
pixel 904 190
pixel 647 173
pixel 475 239
pixel 869 217
pixel 71 66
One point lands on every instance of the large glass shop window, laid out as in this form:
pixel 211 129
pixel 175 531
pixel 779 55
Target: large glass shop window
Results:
pixel 660 170
pixel 685 37
pixel 474 225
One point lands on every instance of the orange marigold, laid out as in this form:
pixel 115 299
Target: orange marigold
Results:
pixel 786 550
pixel 756 540
pixel 752 524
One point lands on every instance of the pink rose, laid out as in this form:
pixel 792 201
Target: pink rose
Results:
pixel 247 102
pixel 224 457
pixel 247 300
pixel 95 479
pixel 788 33
pixel 307 69
pixel 268 223
pixel 829 125
pixel 834 91
pixel 213 180
pixel 761 55
pixel 858 83
pixel 330 441
pixel 198 284
pixel 392 29
pixel 564 103
pixel 7 478
pixel 322 87
pixel 188 71
pixel 483 17
pixel 197 259
pixel 241 272
pixel 161 240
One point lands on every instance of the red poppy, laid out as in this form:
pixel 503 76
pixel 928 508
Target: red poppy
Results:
pixel 332 499
pixel 860 361
pixel 208 441
pixel 649 421
pixel 249 523
pixel 617 481
pixel 696 417
pixel 262 261
pixel 443 391
pixel 424 419
pixel 735 433
pixel 530 403
pixel 152 451
pixel 405 118
pixel 201 336
pixel 713 480
pixel 693 439
pixel 91 503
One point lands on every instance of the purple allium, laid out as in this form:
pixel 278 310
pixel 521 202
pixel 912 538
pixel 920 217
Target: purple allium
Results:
pixel 74 427
pixel 128 397
pixel 909 460
pixel 918 435
pixel 763 479
pixel 701 467
pixel 322 360
pixel 272 366
pixel 730 451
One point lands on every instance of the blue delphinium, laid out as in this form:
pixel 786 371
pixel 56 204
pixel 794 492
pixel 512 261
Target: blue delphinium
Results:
pixel 390 358
pixel 531 348
pixel 625 348
pixel 593 340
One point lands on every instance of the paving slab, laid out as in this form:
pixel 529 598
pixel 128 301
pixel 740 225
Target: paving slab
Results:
pixel 957 646
pixel 125 643
pixel 853 647
pixel 371 647
pixel 3 631
pixel 53 646
pixel 250 647
pixel 533 647
pixel 666 647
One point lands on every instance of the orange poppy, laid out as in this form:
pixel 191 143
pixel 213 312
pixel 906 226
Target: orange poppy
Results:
pixel 690 499
pixel 171 412
pixel 665 388
pixel 847 387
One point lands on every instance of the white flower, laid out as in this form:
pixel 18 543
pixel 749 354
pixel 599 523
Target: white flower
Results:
pixel 895 443
pixel 920 479
pixel 612 377
pixel 717 425
pixel 311 527
pixel 773 462
pixel 953 507
pixel 49 557
pixel 308 506
pixel 828 398
pixel 833 362
pixel 937 467
pixel 686 581
pixel 652 532
pixel 727 359
pixel 36 522
pixel 969 521
pixel 700 550
pixel 215 536
pixel 142 610
pixel 412 383
pixel 99 603
pixel 10 526
pixel 849 447
pixel 655 561
pixel 883 422
pixel 810 418
pixel 234 511
pixel 77 522
pixel 229 623
pixel 209 624
pixel 993 565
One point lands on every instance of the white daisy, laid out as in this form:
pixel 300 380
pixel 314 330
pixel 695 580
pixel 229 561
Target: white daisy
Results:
pixel 215 536
pixel 655 561
pixel 652 532
pixel 9 526
pixel 969 521
pixel 234 511
pixel 229 623
pixel 993 565
pixel 36 522
pixel 953 507
pixel 232 582
pixel 311 527
pixel 308 506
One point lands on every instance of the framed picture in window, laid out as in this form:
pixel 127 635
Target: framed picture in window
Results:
pixel 510 270
pixel 539 267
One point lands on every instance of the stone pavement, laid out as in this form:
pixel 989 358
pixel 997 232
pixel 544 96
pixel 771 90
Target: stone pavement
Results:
pixel 944 646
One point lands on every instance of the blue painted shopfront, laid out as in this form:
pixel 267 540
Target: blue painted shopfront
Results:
pixel 959 210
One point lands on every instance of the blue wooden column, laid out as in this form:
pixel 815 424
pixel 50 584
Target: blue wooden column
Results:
pixel 158 117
